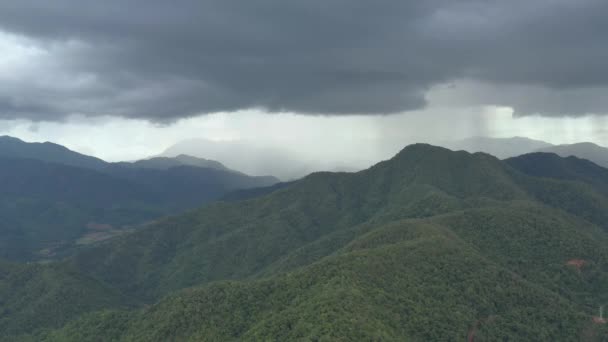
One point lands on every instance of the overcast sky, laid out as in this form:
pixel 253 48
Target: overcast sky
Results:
pixel 325 78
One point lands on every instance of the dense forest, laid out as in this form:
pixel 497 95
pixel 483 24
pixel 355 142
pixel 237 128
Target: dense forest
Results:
pixel 431 245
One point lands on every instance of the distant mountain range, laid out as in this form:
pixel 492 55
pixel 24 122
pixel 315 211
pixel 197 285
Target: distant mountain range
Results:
pixel 504 148
pixel 165 163
pixel 15 148
pixel 51 196
pixel 499 147
pixel 431 245
pixel 252 158
pixel 589 151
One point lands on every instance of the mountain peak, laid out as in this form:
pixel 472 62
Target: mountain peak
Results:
pixel 457 173
pixel 421 148
pixel 9 138
pixel 49 152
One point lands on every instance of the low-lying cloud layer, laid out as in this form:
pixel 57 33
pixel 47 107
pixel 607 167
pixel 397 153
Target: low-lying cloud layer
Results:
pixel 165 60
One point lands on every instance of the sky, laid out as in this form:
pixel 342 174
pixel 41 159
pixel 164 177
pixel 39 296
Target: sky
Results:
pixel 321 79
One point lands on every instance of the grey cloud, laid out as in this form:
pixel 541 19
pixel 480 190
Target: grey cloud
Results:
pixel 526 99
pixel 164 60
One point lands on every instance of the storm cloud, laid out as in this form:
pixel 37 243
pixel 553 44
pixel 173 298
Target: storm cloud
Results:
pixel 162 60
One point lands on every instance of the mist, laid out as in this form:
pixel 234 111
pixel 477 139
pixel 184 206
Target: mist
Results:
pixel 289 145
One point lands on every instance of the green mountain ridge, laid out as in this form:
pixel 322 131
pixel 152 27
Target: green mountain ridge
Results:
pixel 430 245
pixel 302 213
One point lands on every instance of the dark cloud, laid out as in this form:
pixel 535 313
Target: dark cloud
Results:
pixel 165 60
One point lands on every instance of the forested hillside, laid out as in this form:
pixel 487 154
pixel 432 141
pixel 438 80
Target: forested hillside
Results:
pixel 432 245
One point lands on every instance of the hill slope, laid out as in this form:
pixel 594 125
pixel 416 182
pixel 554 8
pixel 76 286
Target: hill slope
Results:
pixel 34 297
pixel 225 241
pixel 406 280
pixel 430 245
